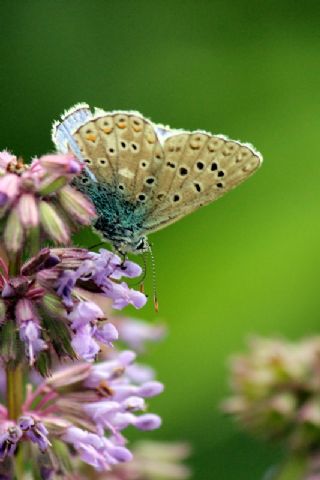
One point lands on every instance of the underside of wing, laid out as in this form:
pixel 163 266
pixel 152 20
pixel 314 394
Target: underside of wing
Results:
pixel 119 148
pixel 198 169
pixel 168 173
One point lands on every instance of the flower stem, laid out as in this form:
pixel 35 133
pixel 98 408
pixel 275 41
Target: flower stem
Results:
pixel 14 403
pixel 14 264
pixel 15 385
pixel 14 390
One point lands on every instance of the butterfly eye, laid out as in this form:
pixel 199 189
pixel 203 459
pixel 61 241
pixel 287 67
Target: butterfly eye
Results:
pixel 121 186
pixel 84 180
pixel 141 245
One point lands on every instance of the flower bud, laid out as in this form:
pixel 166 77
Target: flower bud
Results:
pixel 51 184
pixel 77 205
pixel 61 163
pixel 28 211
pixel 13 234
pixel 53 224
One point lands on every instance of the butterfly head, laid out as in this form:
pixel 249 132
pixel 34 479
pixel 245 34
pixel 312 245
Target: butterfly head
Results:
pixel 135 245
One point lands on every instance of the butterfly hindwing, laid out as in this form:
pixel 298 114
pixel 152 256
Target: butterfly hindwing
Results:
pixel 122 148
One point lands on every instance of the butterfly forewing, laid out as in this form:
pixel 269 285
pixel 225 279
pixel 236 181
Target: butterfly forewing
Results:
pixel 198 169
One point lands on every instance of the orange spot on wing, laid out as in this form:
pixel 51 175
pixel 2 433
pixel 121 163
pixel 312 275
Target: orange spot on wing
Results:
pixel 107 129
pixel 91 137
pixel 151 138
pixel 121 124
pixel 137 128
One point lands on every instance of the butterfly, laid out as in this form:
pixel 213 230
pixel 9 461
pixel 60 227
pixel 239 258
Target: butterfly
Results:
pixel 143 176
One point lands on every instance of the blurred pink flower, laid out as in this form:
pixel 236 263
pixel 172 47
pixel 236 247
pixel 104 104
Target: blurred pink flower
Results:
pixel 33 196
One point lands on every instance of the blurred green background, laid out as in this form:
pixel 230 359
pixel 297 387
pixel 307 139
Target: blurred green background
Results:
pixel 250 262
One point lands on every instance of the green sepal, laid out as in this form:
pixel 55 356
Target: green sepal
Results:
pixel 54 323
pixel 62 453
pixel 55 460
pixel 44 363
pixel 52 304
pixel 6 468
pixel 52 186
pixel 11 347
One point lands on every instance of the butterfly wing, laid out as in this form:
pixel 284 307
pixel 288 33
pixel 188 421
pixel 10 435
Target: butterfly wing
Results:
pixel 164 174
pixel 198 169
pixel 119 147
pixel 123 155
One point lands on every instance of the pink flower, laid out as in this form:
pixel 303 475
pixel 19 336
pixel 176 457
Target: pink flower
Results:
pixel 33 197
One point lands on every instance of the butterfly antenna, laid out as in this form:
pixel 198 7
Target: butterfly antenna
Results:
pixel 154 281
pixel 144 273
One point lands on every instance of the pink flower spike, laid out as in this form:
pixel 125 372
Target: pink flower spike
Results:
pixel 78 206
pixel 9 186
pixel 63 163
pixel 5 159
pixel 28 210
pixel 24 311
pixel 13 233
pixel 53 224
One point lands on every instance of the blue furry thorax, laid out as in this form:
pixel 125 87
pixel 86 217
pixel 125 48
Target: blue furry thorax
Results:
pixel 120 221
